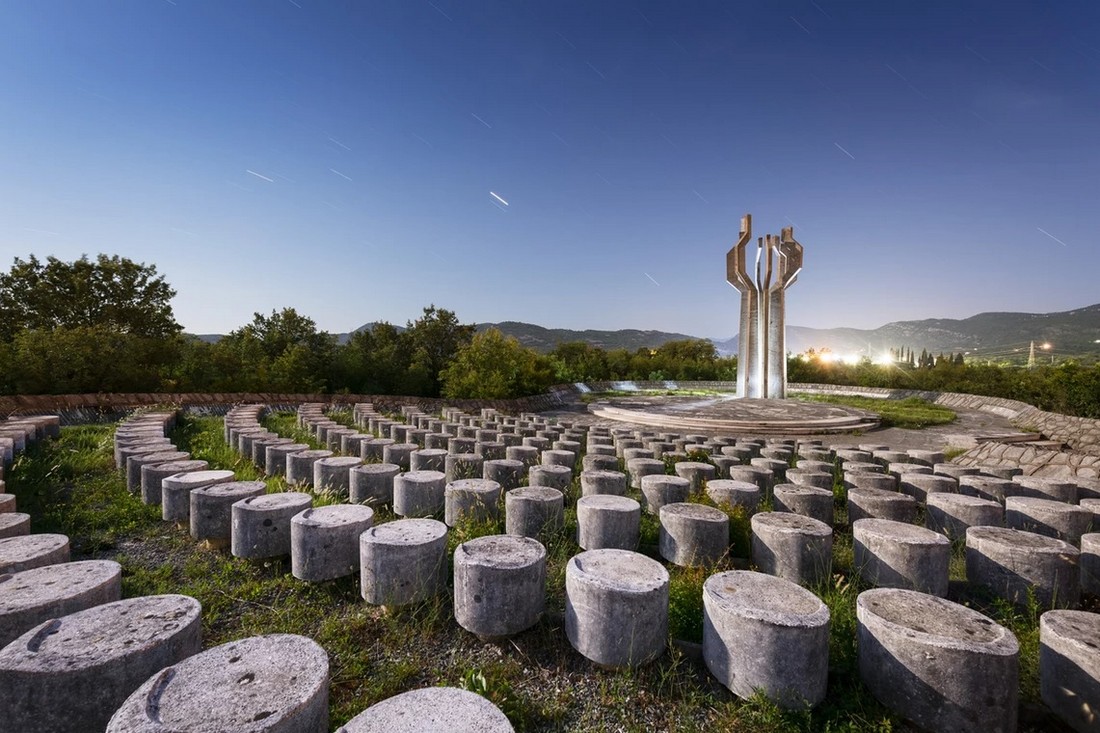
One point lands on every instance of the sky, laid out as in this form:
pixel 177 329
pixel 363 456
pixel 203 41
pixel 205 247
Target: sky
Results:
pixel 574 164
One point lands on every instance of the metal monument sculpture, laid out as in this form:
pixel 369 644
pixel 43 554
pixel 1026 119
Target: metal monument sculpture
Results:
pixel 762 357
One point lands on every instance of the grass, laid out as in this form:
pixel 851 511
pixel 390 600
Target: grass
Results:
pixel 70 486
pixel 912 412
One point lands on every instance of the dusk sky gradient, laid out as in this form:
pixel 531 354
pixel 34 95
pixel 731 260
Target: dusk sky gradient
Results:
pixel 937 158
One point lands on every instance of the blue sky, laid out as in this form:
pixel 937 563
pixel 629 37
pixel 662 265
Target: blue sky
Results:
pixel 936 158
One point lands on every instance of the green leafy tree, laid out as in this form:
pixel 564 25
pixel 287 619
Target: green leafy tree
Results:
pixel 111 293
pixel 433 341
pixel 493 366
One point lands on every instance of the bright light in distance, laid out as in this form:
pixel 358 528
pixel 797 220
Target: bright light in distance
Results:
pixel 827 357
pixel 1045 346
pixel 850 359
pixel 885 360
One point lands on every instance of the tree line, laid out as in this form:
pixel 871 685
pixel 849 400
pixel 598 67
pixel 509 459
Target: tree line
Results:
pixel 106 325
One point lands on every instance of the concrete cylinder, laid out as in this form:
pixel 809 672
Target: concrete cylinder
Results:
pixel 334 474
pixel 261 524
pixel 499 585
pixel 596 462
pixel 630 454
pixel 1011 564
pixel 604 450
pixel 808 501
pixel 606 521
pixel 939 664
pixel 402 562
pixel 462 446
pixel 351 444
pixel 864 480
pixel 526 454
pixel 891 554
pixel 1046 487
pixel 953 470
pixel 175 498
pixel 324 541
pixel 603 482
pixel 430 709
pixel 559 458
pixel 660 489
pixel 373 450
pixel 14 524
pixel 920 486
pixel 471 499
pixel 275 683
pixel 792 547
pixel 1069 666
pixel 532 510
pixel 953 514
pixel 507 473
pixel 134 464
pixel 1005 472
pixel 152 475
pixel 732 493
pixel 897 469
pixel 616 606
pixel 693 535
pixel 418 493
pixel 70 674
pixel 399 454
pixel 1046 517
pixel 463 465
pixel 988 487
pixel 759 476
pixel 275 457
pixel 32 551
pixel 556 477
pixel 765 634
pixel 428 459
pixel 875 504
pixel 925 457
pixel 35 596
pixel 638 468
pixel 1090 564
pixel 696 473
pixel 372 483
pixel 7 502
pixel 299 466
pixel 211 509
pixel 817 479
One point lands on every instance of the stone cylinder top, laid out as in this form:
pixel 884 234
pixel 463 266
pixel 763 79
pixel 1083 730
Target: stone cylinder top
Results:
pixel 500 551
pixel 937 622
pixel 766 598
pixel 621 571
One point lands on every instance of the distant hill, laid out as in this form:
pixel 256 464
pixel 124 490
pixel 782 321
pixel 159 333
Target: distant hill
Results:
pixel 993 335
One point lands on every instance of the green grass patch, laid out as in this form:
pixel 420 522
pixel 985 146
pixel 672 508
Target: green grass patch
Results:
pixel 912 412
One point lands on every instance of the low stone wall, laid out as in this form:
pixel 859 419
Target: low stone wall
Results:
pixel 1033 461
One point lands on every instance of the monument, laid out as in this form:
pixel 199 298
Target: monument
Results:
pixel 762 354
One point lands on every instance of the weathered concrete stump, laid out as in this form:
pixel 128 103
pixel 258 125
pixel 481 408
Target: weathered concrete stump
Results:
pixel 176 491
pixel 943 666
pixel 735 493
pixel 261 524
pixel 135 464
pixel 531 510
pixel 817 479
pixel 953 514
pixel 877 504
pixel 418 493
pixel 153 475
pixel 603 482
pixel 14 524
pixel 892 554
pixel 1013 564
pixel 299 466
pixel 72 673
pixel 7 503
pixel 808 501
pixel 659 490
pixel 606 521
pixel 399 454
pixel 505 472
pixel 988 487
pixel 597 462
pixel 693 535
pixel 767 634
pixel 696 473
pixel 793 547
pixel 472 499
pixel 333 474
pixel 35 596
pixel 431 710
pixel 639 468
pixel 275 457
pixel 921 486
pixel 324 541
pixel 403 562
pixel 32 551
pixel 1090 564
pixel 372 483
pixel 499 585
pixel 463 465
pixel 212 509
pixel 1069 666
pixel 1047 517
pixel 616 606
pixel 277 683
pixel 1045 487
pixel 556 477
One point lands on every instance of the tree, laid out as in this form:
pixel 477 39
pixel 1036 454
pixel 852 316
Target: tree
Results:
pixel 283 352
pixel 111 293
pixel 495 366
pixel 434 340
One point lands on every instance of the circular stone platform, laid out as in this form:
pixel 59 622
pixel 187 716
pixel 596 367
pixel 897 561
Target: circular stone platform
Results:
pixel 730 415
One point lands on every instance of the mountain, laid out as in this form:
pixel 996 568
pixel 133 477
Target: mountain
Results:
pixel 990 335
